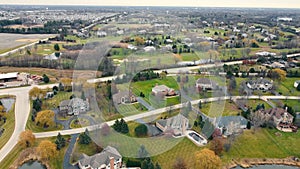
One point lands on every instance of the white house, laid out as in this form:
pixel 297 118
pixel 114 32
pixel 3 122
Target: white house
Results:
pixel 163 90
pixel 296 83
pixel 74 106
pixel 206 83
pixel 177 124
pixel 109 158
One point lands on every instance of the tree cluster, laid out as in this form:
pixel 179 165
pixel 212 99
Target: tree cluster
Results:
pixel 121 126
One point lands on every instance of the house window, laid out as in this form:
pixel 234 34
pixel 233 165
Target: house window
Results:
pixel 123 100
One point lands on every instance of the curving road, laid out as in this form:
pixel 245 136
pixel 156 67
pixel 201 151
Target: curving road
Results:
pixel 22 111
pixel 22 107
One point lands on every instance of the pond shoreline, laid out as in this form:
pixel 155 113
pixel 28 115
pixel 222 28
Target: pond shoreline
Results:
pixel 250 162
pixel 26 156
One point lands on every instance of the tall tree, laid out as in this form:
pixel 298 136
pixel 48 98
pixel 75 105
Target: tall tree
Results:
pixel 207 159
pixel 56 47
pixel 36 93
pixel 60 142
pixel 26 138
pixel 47 150
pixel 45 118
pixel 84 138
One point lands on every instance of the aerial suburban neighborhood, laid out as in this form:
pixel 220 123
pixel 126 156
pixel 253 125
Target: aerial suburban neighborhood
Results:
pixel 108 85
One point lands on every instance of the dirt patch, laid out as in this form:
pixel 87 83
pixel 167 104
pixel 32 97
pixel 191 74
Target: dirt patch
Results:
pixel 27 40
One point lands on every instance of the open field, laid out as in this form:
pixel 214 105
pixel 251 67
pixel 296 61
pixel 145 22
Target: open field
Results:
pixel 263 144
pixel 11 41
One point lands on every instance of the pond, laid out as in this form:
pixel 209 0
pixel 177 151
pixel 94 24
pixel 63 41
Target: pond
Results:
pixel 270 167
pixel 32 165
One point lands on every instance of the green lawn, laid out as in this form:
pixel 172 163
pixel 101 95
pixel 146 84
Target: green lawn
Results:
pixel 9 127
pixel 220 108
pixel 89 150
pixel 82 122
pixel 264 144
pixel 185 149
pixel 287 88
pixel 146 88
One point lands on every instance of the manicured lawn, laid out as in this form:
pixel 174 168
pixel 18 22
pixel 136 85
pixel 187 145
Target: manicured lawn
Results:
pixel 54 102
pixel 185 149
pixel 295 104
pixel 264 144
pixel 190 57
pixel 9 126
pixel 82 122
pixel 220 108
pixel 130 109
pixel 146 87
pixel 287 88
pixel 89 150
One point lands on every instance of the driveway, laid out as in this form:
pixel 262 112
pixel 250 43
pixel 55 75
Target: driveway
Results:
pixel 144 103
pixel 67 157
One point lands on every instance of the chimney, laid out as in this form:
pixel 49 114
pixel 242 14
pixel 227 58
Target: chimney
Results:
pixel 112 162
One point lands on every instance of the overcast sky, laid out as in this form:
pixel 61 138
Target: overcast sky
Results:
pixel 194 3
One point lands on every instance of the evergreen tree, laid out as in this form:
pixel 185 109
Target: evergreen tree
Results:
pixel 84 138
pixel 60 142
pixel 124 127
pixel 46 78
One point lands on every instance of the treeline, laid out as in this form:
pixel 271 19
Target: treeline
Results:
pixel 10 22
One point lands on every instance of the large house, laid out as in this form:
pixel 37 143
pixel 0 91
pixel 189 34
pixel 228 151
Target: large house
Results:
pixel 280 117
pixel 177 124
pixel 109 158
pixel 124 97
pixel 206 84
pixel 73 106
pixel 260 84
pixel 163 90
pixel 231 124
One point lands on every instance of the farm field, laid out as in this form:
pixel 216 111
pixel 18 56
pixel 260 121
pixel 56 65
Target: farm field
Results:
pixel 11 41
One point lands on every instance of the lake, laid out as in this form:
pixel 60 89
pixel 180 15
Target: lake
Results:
pixel 270 167
pixel 32 165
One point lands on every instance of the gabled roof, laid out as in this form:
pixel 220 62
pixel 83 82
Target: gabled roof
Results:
pixel 100 159
pixel 225 121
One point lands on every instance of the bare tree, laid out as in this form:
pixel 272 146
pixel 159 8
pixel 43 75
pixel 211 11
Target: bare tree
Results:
pixel 257 119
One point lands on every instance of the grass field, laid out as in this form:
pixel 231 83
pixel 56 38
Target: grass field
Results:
pixel 9 127
pixel 185 149
pixel 287 88
pixel 264 144
pixel 11 41
pixel 220 108
pixel 89 150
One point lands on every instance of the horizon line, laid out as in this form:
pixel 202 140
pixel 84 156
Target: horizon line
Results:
pixel 91 5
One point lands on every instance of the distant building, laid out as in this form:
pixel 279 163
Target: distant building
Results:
pixel 74 106
pixel 260 84
pixel 264 54
pixel 177 124
pixel 101 34
pixel 109 158
pixel 163 90
pixel 296 83
pixel 8 77
pixel 124 97
pixel 206 84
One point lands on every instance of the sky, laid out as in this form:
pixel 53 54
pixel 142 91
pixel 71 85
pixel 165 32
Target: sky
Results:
pixel 193 3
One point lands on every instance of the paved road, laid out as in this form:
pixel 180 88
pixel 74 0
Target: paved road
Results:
pixel 23 47
pixel 156 112
pixel 22 111
pixel 144 103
